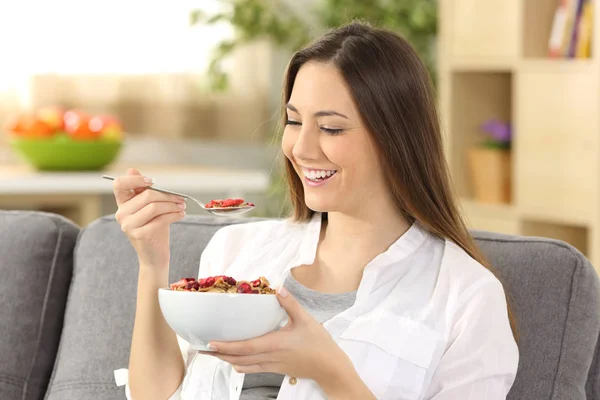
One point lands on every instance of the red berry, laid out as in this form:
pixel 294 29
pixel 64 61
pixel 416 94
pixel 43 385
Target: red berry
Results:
pixel 210 281
pixel 192 285
pixel 202 282
pixel 230 280
pixel 226 279
pixel 256 282
pixel 244 288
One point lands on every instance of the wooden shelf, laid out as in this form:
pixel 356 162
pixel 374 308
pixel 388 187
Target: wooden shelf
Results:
pixel 570 66
pixel 573 234
pixel 481 64
pixel 475 98
pixel 493 64
pixel 502 218
pixel 490 64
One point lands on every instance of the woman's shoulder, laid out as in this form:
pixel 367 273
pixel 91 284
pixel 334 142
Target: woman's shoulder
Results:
pixel 464 271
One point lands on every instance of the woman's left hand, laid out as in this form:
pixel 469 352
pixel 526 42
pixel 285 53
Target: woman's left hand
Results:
pixel 301 349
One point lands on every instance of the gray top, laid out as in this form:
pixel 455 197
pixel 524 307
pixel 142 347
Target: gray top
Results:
pixel 322 306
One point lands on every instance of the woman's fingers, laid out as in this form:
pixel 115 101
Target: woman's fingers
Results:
pixel 147 231
pixel 124 187
pixel 245 360
pixel 145 198
pixel 273 367
pixel 149 212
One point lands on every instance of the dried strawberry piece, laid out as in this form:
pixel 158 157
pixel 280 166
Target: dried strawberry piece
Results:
pixel 244 288
pixel 181 283
pixel 256 282
pixel 224 203
pixel 210 281
pixel 227 279
pixel 227 203
pixel 214 203
pixel 232 202
pixel 192 285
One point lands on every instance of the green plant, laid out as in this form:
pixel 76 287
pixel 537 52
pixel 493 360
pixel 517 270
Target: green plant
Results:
pixel 278 22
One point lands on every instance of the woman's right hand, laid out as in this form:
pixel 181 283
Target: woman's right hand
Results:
pixel 145 216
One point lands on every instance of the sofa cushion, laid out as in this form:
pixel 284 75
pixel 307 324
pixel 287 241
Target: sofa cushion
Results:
pixel 101 306
pixel 36 250
pixel 556 298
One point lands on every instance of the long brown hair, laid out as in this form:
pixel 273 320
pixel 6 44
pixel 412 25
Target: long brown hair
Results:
pixel 393 92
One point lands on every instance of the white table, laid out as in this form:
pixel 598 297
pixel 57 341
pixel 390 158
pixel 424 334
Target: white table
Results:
pixel 78 195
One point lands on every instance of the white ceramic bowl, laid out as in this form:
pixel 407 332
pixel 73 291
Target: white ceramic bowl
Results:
pixel 202 317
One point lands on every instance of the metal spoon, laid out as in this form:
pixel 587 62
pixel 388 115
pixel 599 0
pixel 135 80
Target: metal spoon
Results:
pixel 220 211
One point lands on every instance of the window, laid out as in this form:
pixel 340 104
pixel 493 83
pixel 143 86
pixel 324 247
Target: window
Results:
pixel 107 37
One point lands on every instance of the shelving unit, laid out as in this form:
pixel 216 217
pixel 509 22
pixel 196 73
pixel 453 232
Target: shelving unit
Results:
pixel 492 63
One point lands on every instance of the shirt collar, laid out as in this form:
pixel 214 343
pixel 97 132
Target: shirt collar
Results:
pixel 406 244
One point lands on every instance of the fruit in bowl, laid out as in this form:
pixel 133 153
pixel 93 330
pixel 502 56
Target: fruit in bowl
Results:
pixel 220 308
pixel 53 139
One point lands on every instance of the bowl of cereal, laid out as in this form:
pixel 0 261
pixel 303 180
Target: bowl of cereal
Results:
pixel 220 308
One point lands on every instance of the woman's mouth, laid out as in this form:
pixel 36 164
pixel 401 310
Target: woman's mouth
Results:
pixel 317 177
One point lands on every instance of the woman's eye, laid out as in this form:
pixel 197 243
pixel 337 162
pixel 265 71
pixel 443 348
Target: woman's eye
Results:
pixel 330 131
pixel 290 122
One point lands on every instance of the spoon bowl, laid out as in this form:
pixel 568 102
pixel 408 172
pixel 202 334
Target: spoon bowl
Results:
pixel 218 211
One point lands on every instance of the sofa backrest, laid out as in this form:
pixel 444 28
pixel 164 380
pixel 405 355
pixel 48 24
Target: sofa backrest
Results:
pixel 36 259
pixel 555 294
pixel 556 299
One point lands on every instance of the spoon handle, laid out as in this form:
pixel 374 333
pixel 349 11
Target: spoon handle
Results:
pixel 112 178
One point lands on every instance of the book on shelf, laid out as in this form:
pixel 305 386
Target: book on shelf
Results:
pixel 571 32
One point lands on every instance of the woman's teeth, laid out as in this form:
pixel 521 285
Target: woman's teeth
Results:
pixel 315 175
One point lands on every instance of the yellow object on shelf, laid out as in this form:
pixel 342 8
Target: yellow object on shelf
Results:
pixel 490 175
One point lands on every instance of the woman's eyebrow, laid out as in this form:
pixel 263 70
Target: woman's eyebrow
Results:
pixel 324 113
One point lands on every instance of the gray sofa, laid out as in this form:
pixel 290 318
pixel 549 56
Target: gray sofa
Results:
pixel 67 300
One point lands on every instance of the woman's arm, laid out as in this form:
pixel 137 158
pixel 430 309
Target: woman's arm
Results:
pixel 481 359
pixel 156 363
pixel 156 367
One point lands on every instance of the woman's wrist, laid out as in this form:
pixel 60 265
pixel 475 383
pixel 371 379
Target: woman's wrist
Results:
pixel 150 279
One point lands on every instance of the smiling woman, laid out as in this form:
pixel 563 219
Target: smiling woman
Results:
pixel 386 294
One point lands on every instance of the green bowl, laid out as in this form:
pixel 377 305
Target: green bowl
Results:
pixel 64 154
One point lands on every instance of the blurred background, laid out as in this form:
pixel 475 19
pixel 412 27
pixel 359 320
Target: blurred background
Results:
pixel 188 92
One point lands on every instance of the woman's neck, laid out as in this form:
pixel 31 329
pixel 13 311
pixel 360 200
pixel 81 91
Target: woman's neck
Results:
pixel 357 239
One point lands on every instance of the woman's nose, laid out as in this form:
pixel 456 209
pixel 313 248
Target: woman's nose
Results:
pixel 307 145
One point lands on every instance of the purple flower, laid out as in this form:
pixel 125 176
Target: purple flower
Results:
pixel 497 130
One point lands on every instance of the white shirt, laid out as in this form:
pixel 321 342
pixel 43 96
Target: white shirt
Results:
pixel 429 322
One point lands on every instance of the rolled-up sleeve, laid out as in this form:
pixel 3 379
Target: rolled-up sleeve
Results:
pixel 481 359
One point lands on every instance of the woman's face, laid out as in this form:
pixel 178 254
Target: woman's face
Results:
pixel 328 145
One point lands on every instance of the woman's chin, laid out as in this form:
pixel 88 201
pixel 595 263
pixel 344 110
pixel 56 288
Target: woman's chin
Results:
pixel 318 205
